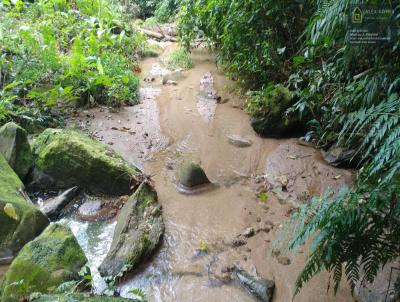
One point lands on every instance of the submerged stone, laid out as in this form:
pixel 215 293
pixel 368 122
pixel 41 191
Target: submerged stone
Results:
pixel 20 220
pixel 43 264
pixel 54 206
pixel 71 158
pixel 239 142
pixel 137 234
pixel 192 175
pixel 15 148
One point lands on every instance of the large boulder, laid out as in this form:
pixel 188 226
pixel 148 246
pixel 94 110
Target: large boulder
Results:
pixel 20 220
pixel 67 158
pixel 268 113
pixel 192 175
pixel 138 232
pixel 43 264
pixel 15 148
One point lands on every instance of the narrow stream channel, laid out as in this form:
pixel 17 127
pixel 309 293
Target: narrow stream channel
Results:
pixel 176 123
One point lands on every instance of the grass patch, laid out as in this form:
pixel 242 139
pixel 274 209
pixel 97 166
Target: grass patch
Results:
pixel 149 22
pixel 151 50
pixel 179 58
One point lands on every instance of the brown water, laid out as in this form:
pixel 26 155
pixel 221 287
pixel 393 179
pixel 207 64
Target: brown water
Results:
pixel 175 123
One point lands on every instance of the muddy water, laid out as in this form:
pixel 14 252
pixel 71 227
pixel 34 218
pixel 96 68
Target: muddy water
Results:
pixel 175 123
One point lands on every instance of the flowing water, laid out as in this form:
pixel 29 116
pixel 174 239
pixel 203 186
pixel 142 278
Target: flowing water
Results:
pixel 182 121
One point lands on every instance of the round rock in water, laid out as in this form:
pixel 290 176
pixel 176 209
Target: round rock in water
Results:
pixel 192 175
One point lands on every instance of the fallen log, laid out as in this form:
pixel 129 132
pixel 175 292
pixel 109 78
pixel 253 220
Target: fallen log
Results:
pixel 158 35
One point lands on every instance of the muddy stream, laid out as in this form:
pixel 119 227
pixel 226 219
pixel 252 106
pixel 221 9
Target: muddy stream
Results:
pixel 194 115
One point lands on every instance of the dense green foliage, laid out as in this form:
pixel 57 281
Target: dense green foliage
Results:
pixel 255 39
pixel 162 10
pixel 348 94
pixel 166 10
pixel 57 51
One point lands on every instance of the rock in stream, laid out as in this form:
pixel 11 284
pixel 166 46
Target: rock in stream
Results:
pixel 239 141
pixel 43 264
pixel 192 175
pixel 15 148
pixel 137 234
pixel 260 288
pixel 70 158
pixel 53 207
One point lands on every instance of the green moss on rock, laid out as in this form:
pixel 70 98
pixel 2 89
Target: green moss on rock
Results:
pixel 45 138
pixel 268 109
pixel 15 148
pixel 71 158
pixel 137 234
pixel 43 264
pixel 20 220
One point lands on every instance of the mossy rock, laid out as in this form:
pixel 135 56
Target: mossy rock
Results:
pixel 45 138
pixel 138 232
pixel 43 264
pixel 20 220
pixel 192 175
pixel 76 297
pixel 71 158
pixel 152 50
pixel 15 148
pixel 268 113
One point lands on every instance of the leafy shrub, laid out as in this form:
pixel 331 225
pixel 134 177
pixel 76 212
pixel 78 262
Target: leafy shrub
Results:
pixel 146 7
pixel 166 10
pixel 53 54
pixel 179 58
pixel 149 22
pixel 155 10
pixel 253 39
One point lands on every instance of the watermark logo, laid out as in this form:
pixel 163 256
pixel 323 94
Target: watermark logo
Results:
pixel 356 15
pixel 371 24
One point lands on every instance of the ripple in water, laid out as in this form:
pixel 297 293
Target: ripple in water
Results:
pixel 95 238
